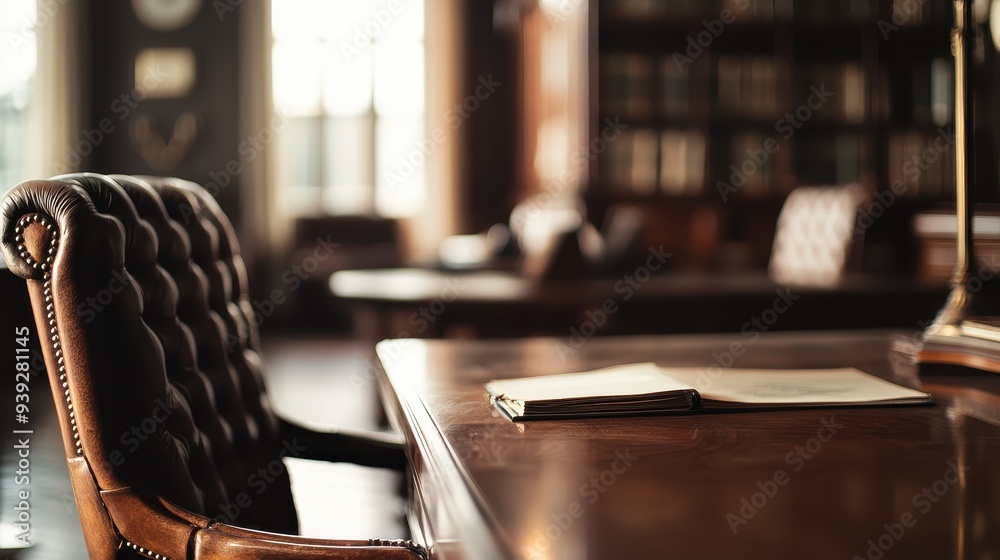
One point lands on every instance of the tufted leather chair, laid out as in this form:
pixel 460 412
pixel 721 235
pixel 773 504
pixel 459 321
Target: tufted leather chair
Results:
pixel 139 294
pixel 816 235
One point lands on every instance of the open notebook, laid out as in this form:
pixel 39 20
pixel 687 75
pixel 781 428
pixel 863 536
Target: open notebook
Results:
pixel 639 389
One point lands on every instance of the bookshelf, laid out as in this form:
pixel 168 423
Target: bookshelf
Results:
pixel 731 104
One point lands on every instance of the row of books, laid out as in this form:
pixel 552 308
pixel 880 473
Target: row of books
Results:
pixel 915 13
pixel 745 165
pixel 829 159
pixel 819 160
pixel 750 86
pixel 922 164
pixel 753 10
pixel 634 85
pixel 627 84
pixel 848 88
pixel 673 162
pixel 644 161
pixel 755 86
pixel 934 96
pixel 922 93
pixel 827 11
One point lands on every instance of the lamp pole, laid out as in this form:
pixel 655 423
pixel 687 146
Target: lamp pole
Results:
pixel 963 38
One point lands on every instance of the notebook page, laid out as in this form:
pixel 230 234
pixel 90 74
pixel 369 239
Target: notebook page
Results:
pixel 769 386
pixel 630 379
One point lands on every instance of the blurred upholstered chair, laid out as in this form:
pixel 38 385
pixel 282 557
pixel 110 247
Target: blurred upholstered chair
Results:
pixel 139 294
pixel 816 233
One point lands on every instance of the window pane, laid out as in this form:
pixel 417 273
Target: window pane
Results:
pixel 399 78
pixel 300 144
pixel 348 163
pixel 347 84
pixel 304 19
pixel 18 58
pixel 340 67
pixel 401 165
pixel 356 23
pixel 407 23
pixel 298 164
pixel 13 130
pixel 297 79
pixel 18 63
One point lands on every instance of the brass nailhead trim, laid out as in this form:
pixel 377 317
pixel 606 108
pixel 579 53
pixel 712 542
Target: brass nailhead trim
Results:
pixel 394 543
pixel 46 267
pixel 141 550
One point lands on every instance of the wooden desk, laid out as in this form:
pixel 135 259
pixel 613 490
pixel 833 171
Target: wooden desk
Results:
pixel 725 485
pixel 430 303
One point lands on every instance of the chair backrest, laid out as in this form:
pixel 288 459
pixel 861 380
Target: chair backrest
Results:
pixel 139 294
pixel 815 234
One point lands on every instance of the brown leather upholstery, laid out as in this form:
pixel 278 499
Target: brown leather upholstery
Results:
pixel 139 294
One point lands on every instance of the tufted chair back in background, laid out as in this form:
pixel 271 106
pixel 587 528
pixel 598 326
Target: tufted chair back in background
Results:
pixel 816 235
pixel 139 294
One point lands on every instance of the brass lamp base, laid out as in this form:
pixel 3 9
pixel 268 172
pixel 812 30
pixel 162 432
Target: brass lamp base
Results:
pixel 965 332
pixel 973 343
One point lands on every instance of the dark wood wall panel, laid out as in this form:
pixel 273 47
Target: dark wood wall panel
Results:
pixel 113 37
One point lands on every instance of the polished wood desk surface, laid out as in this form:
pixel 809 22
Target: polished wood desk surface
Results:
pixel 912 482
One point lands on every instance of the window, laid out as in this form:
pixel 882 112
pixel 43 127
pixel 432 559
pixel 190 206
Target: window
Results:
pixel 18 57
pixel 348 76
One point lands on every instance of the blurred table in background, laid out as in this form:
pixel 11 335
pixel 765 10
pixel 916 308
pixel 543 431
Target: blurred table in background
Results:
pixel 427 303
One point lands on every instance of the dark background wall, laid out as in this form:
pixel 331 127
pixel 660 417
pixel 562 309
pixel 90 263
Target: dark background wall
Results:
pixel 491 132
pixel 113 36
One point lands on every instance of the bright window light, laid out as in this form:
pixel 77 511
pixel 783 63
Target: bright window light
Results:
pixel 350 77
pixel 18 58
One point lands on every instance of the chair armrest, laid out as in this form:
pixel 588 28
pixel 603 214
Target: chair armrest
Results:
pixel 146 525
pixel 370 449
pixel 223 542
